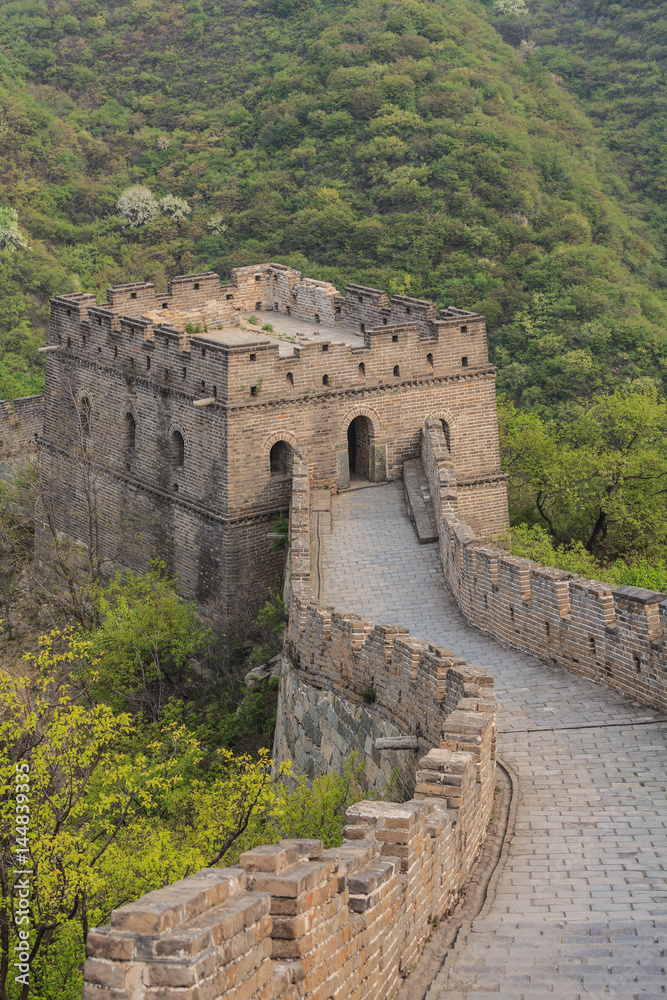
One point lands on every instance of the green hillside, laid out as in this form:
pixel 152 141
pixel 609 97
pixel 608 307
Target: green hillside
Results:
pixel 613 56
pixel 398 144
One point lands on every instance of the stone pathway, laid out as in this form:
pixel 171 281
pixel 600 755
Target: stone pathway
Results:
pixel 580 908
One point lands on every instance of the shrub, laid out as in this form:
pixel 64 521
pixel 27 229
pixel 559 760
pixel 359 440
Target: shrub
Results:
pixel 217 225
pixel 11 237
pixel 146 643
pixel 177 208
pixel 281 527
pixel 137 206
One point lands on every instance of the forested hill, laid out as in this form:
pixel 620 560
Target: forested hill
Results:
pixel 613 56
pixel 399 144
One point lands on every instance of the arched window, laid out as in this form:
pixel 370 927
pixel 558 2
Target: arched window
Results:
pixel 85 410
pixel 362 371
pixel 289 380
pixel 397 371
pixel 429 358
pixel 177 450
pixel 325 380
pixel 130 431
pixel 281 458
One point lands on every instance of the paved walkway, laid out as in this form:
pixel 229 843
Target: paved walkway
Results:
pixel 581 904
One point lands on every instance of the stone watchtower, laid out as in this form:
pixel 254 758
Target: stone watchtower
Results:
pixel 190 408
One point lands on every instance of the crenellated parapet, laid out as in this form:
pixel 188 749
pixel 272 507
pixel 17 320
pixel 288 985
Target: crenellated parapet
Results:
pixel 294 920
pixel 196 401
pixel 614 635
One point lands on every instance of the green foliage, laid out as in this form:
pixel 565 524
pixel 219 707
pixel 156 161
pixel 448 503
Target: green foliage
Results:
pixel 396 145
pixel 612 57
pixel 114 815
pixel 137 206
pixel 253 320
pixel 598 479
pixel 253 721
pixel 85 787
pixel 369 695
pixel 192 328
pixel 177 208
pixel 11 237
pixel 146 646
pixel 272 616
pixel 535 543
pixel 268 327
pixel 281 527
pixel 317 808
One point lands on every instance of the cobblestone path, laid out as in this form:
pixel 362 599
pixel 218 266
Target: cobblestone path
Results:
pixel 580 906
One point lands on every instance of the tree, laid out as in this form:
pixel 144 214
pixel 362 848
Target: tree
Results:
pixel 177 208
pixel 137 205
pixel 113 812
pixel 146 642
pixel 80 785
pixel 11 237
pixel 600 478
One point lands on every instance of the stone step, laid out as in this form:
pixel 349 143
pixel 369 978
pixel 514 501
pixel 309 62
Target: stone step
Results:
pixel 418 499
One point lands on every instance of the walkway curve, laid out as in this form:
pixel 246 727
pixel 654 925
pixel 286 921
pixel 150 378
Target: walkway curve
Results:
pixel 580 908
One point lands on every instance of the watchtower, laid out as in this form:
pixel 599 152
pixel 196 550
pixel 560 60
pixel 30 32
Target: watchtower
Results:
pixel 193 405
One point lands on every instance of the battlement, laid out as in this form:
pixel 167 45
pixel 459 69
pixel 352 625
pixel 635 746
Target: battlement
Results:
pixel 202 396
pixel 269 331
pixel 614 635
pixel 293 919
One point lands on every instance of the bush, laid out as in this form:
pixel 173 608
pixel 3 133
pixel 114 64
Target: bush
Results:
pixel 535 543
pixel 137 205
pixel 11 237
pixel 176 207
pixel 146 645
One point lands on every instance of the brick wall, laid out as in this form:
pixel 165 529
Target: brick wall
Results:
pixel 20 427
pixel 614 635
pixel 294 920
pixel 132 359
pixel 318 731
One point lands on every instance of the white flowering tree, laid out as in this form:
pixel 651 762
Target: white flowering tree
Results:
pixel 216 224
pixel 137 206
pixel 177 208
pixel 11 237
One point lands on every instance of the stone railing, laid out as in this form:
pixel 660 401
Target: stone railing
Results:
pixel 294 920
pixel 616 635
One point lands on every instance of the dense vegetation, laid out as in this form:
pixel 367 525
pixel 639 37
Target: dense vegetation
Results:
pixel 508 162
pixel 613 56
pixel 131 780
pixel 397 143
pixel 589 494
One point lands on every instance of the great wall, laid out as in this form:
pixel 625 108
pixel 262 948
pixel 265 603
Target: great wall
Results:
pixel 295 920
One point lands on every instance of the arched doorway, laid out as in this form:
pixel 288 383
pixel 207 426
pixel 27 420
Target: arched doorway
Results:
pixel 359 443
pixel 281 459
